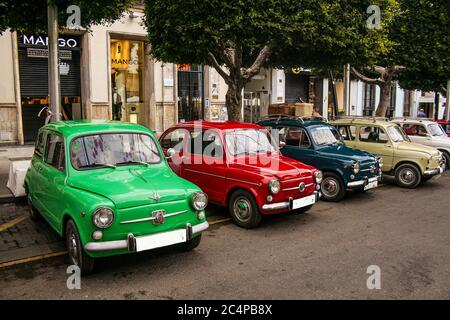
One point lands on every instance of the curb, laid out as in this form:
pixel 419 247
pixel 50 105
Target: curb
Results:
pixel 6 198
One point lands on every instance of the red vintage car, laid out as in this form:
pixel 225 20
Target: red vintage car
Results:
pixel 239 166
pixel 445 124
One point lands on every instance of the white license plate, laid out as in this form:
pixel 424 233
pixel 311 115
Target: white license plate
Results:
pixel 303 202
pixel 371 185
pixel 160 240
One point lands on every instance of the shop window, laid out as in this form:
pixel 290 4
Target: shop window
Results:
pixel 127 79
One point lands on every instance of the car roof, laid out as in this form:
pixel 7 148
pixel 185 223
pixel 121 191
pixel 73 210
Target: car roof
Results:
pixel 220 125
pixel 413 121
pixel 292 122
pixel 80 127
pixel 363 121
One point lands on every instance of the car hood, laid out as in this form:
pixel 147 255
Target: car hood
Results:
pixel 134 186
pixel 410 146
pixel 344 153
pixel 276 165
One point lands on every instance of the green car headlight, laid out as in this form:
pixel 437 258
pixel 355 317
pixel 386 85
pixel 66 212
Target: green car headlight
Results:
pixel 103 218
pixel 199 200
pixel 356 167
pixel 274 186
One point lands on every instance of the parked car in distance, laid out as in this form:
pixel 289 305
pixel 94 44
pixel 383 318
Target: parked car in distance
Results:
pixel 428 133
pixel 410 163
pixel 239 167
pixel 445 124
pixel 319 144
pixel 107 189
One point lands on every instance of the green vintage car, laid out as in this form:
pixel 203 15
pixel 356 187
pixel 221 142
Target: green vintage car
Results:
pixel 107 189
pixel 409 162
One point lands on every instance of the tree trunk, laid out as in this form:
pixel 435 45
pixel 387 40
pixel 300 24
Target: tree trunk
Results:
pixel 233 100
pixel 385 95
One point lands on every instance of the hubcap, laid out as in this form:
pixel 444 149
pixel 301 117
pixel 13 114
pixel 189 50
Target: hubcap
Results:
pixel 407 176
pixel 73 248
pixel 242 208
pixel 330 187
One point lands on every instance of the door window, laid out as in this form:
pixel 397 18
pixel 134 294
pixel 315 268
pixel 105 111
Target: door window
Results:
pixel 54 152
pixel 373 135
pixel 347 132
pixel 39 147
pixel 294 136
pixel 206 143
pixel 415 130
pixel 174 139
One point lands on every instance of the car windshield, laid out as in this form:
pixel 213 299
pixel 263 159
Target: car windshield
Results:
pixel 436 130
pixel 247 141
pixel 112 150
pixel 397 134
pixel 325 136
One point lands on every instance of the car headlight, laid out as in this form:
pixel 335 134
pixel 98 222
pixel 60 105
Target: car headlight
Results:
pixel 199 200
pixel 318 177
pixel 380 161
pixel 103 218
pixel 356 167
pixel 274 186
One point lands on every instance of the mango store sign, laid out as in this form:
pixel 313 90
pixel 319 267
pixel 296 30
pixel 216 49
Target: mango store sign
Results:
pixel 43 41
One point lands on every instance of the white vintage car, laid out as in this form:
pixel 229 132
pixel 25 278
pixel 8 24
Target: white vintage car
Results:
pixel 429 133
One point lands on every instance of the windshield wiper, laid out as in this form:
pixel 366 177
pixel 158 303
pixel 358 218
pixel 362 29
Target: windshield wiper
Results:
pixel 98 165
pixel 131 162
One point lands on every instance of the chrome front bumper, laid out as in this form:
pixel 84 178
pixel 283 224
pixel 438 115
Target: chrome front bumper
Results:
pixel 362 183
pixel 130 243
pixel 435 172
pixel 285 205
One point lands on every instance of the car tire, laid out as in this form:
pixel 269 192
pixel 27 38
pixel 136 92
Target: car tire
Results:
pixel 191 244
pixel 332 187
pixel 244 209
pixel 447 160
pixel 77 255
pixel 408 176
pixel 34 214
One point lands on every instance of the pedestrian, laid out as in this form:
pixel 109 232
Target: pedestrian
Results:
pixel 421 113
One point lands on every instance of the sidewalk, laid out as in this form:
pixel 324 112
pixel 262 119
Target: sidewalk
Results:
pixel 8 154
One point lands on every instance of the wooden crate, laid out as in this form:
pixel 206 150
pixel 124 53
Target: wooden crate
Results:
pixel 303 109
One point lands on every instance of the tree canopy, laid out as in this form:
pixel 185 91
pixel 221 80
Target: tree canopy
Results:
pixel 31 16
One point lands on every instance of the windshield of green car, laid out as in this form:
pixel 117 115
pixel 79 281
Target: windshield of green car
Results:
pixel 436 130
pixel 112 150
pixel 397 134
pixel 325 135
pixel 249 141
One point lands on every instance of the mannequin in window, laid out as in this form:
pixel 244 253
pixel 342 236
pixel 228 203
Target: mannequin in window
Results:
pixel 117 105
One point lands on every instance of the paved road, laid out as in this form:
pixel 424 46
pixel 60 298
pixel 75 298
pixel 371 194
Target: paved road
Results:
pixel 321 255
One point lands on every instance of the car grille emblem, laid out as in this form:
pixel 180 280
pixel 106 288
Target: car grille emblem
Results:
pixel 155 196
pixel 158 216
pixel 302 186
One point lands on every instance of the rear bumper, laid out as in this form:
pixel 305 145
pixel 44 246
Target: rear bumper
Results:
pixel 285 205
pixel 435 172
pixel 362 183
pixel 130 243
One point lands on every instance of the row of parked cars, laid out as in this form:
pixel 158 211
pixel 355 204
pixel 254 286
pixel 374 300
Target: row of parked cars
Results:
pixel 112 188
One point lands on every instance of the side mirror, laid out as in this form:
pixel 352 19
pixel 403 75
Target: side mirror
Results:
pixel 282 144
pixel 170 152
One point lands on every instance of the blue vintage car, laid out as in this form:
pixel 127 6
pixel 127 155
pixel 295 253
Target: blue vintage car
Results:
pixel 317 143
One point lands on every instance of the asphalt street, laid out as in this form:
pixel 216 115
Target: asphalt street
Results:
pixel 323 254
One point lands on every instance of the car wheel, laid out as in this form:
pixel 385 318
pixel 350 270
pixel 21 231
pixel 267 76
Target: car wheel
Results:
pixel 408 176
pixel 446 163
pixel 191 244
pixel 34 214
pixel 244 209
pixel 77 255
pixel 332 187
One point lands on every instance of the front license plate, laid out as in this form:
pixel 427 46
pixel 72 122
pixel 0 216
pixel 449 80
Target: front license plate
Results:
pixel 160 240
pixel 303 202
pixel 371 185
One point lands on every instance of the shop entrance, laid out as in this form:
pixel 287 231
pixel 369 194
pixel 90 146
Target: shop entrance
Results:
pixel 33 68
pixel 190 92
pixel 252 106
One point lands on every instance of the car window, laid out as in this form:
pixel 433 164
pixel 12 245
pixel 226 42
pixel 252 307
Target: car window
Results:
pixel 206 143
pixel 436 130
pixel 294 136
pixel 248 141
pixel 111 149
pixel 412 129
pixel 325 135
pixel 54 152
pixel 373 135
pixel 174 139
pixel 39 146
pixel 348 133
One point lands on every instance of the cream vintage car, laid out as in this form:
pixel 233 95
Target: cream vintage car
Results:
pixel 409 162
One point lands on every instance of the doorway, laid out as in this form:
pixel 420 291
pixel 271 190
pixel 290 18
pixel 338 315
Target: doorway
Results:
pixel 190 92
